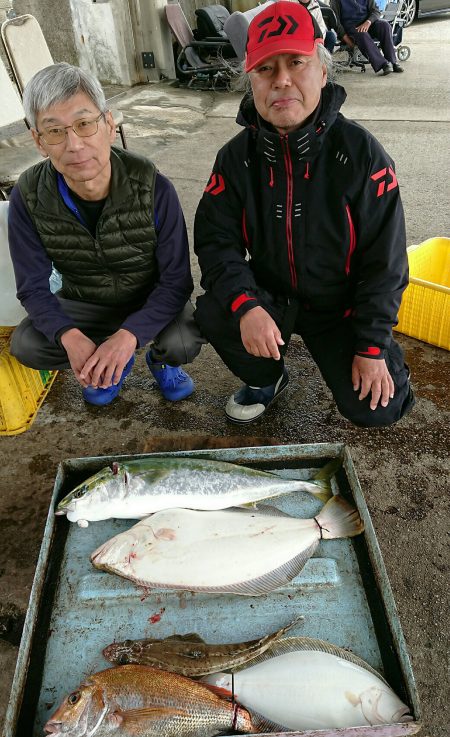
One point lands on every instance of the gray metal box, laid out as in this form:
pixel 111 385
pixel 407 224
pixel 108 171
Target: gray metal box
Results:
pixel 343 594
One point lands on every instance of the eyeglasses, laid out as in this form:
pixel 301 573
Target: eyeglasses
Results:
pixel 84 128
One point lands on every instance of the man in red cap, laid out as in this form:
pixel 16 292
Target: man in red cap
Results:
pixel 301 230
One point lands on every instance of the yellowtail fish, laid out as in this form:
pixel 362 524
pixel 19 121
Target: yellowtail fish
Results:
pixel 248 552
pixel 138 701
pixel 135 489
pixel 189 655
pixel 311 684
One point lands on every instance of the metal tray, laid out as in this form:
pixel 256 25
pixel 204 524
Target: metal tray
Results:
pixel 343 594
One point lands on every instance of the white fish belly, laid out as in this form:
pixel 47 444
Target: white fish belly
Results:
pixel 208 549
pixel 310 690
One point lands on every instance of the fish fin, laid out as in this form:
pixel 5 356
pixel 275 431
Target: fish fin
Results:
pixel 286 628
pixel 267 639
pixel 271 580
pixel 261 724
pixel 321 490
pixel 266 509
pixel 189 637
pixel 328 470
pixel 114 719
pixel 270 511
pixel 352 698
pixel 321 481
pixel 294 644
pixel 136 716
pixel 224 693
pixel 338 518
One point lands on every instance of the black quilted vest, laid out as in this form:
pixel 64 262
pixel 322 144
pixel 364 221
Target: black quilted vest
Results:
pixel 118 266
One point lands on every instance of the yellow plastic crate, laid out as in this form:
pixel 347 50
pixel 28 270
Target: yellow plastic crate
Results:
pixel 22 390
pixel 425 308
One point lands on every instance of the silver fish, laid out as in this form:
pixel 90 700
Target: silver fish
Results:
pixel 248 552
pixel 135 489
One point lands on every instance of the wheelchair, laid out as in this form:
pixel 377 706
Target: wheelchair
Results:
pixel 345 57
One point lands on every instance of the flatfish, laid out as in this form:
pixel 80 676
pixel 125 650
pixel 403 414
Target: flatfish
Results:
pixel 312 684
pixel 248 552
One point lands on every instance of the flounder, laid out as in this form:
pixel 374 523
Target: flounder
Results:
pixel 311 684
pixel 248 552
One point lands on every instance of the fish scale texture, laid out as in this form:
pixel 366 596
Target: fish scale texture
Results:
pixel 145 702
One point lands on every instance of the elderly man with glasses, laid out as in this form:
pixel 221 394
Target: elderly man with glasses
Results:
pixel 112 226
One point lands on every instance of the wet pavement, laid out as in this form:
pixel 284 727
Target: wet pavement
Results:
pixel 403 470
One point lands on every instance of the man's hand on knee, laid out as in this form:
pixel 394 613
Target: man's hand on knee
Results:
pixel 372 376
pixel 260 334
pixel 105 366
pixel 79 349
pixel 363 27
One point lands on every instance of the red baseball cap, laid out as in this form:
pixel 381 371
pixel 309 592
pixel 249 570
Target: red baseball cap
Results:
pixel 284 27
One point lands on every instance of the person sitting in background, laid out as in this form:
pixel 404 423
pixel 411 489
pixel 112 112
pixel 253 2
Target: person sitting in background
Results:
pixel 113 227
pixel 359 22
pixel 329 36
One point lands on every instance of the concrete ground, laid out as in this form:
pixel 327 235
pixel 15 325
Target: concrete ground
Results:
pixel 403 470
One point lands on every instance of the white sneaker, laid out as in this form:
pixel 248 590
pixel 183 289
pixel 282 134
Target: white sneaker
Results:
pixel 250 402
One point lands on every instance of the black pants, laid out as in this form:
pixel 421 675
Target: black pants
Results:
pixel 329 338
pixel 180 342
pixel 382 31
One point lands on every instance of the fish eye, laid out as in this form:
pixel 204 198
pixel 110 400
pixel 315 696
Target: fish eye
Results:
pixel 79 493
pixel 74 698
pixel 194 654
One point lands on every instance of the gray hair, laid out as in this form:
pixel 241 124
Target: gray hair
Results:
pixel 57 83
pixel 241 79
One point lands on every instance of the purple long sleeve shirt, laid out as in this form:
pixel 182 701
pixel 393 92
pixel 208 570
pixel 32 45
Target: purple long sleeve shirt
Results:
pixel 173 288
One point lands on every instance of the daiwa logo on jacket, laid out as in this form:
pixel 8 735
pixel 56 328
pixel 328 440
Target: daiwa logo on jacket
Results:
pixel 215 184
pixel 382 185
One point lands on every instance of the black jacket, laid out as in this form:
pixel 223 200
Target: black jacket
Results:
pixel 315 214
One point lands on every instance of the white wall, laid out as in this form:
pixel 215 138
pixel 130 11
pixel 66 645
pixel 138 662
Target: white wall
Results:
pixel 104 40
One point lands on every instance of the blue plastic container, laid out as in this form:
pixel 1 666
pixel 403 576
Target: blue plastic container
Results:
pixel 343 594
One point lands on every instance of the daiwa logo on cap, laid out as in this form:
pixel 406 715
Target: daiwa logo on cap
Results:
pixel 282 28
pixel 283 24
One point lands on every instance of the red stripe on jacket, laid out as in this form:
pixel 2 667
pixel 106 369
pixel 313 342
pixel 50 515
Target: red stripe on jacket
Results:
pixel 372 350
pixel 244 229
pixel 352 245
pixel 240 301
pixel 289 182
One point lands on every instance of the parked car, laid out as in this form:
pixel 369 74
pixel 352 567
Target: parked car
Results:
pixel 421 8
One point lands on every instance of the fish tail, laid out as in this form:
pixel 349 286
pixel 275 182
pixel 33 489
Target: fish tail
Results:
pixel 259 723
pixel 322 480
pixel 321 490
pixel 338 518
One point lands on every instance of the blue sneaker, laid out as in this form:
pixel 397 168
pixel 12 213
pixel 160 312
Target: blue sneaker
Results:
pixel 101 397
pixel 175 384
pixel 250 402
